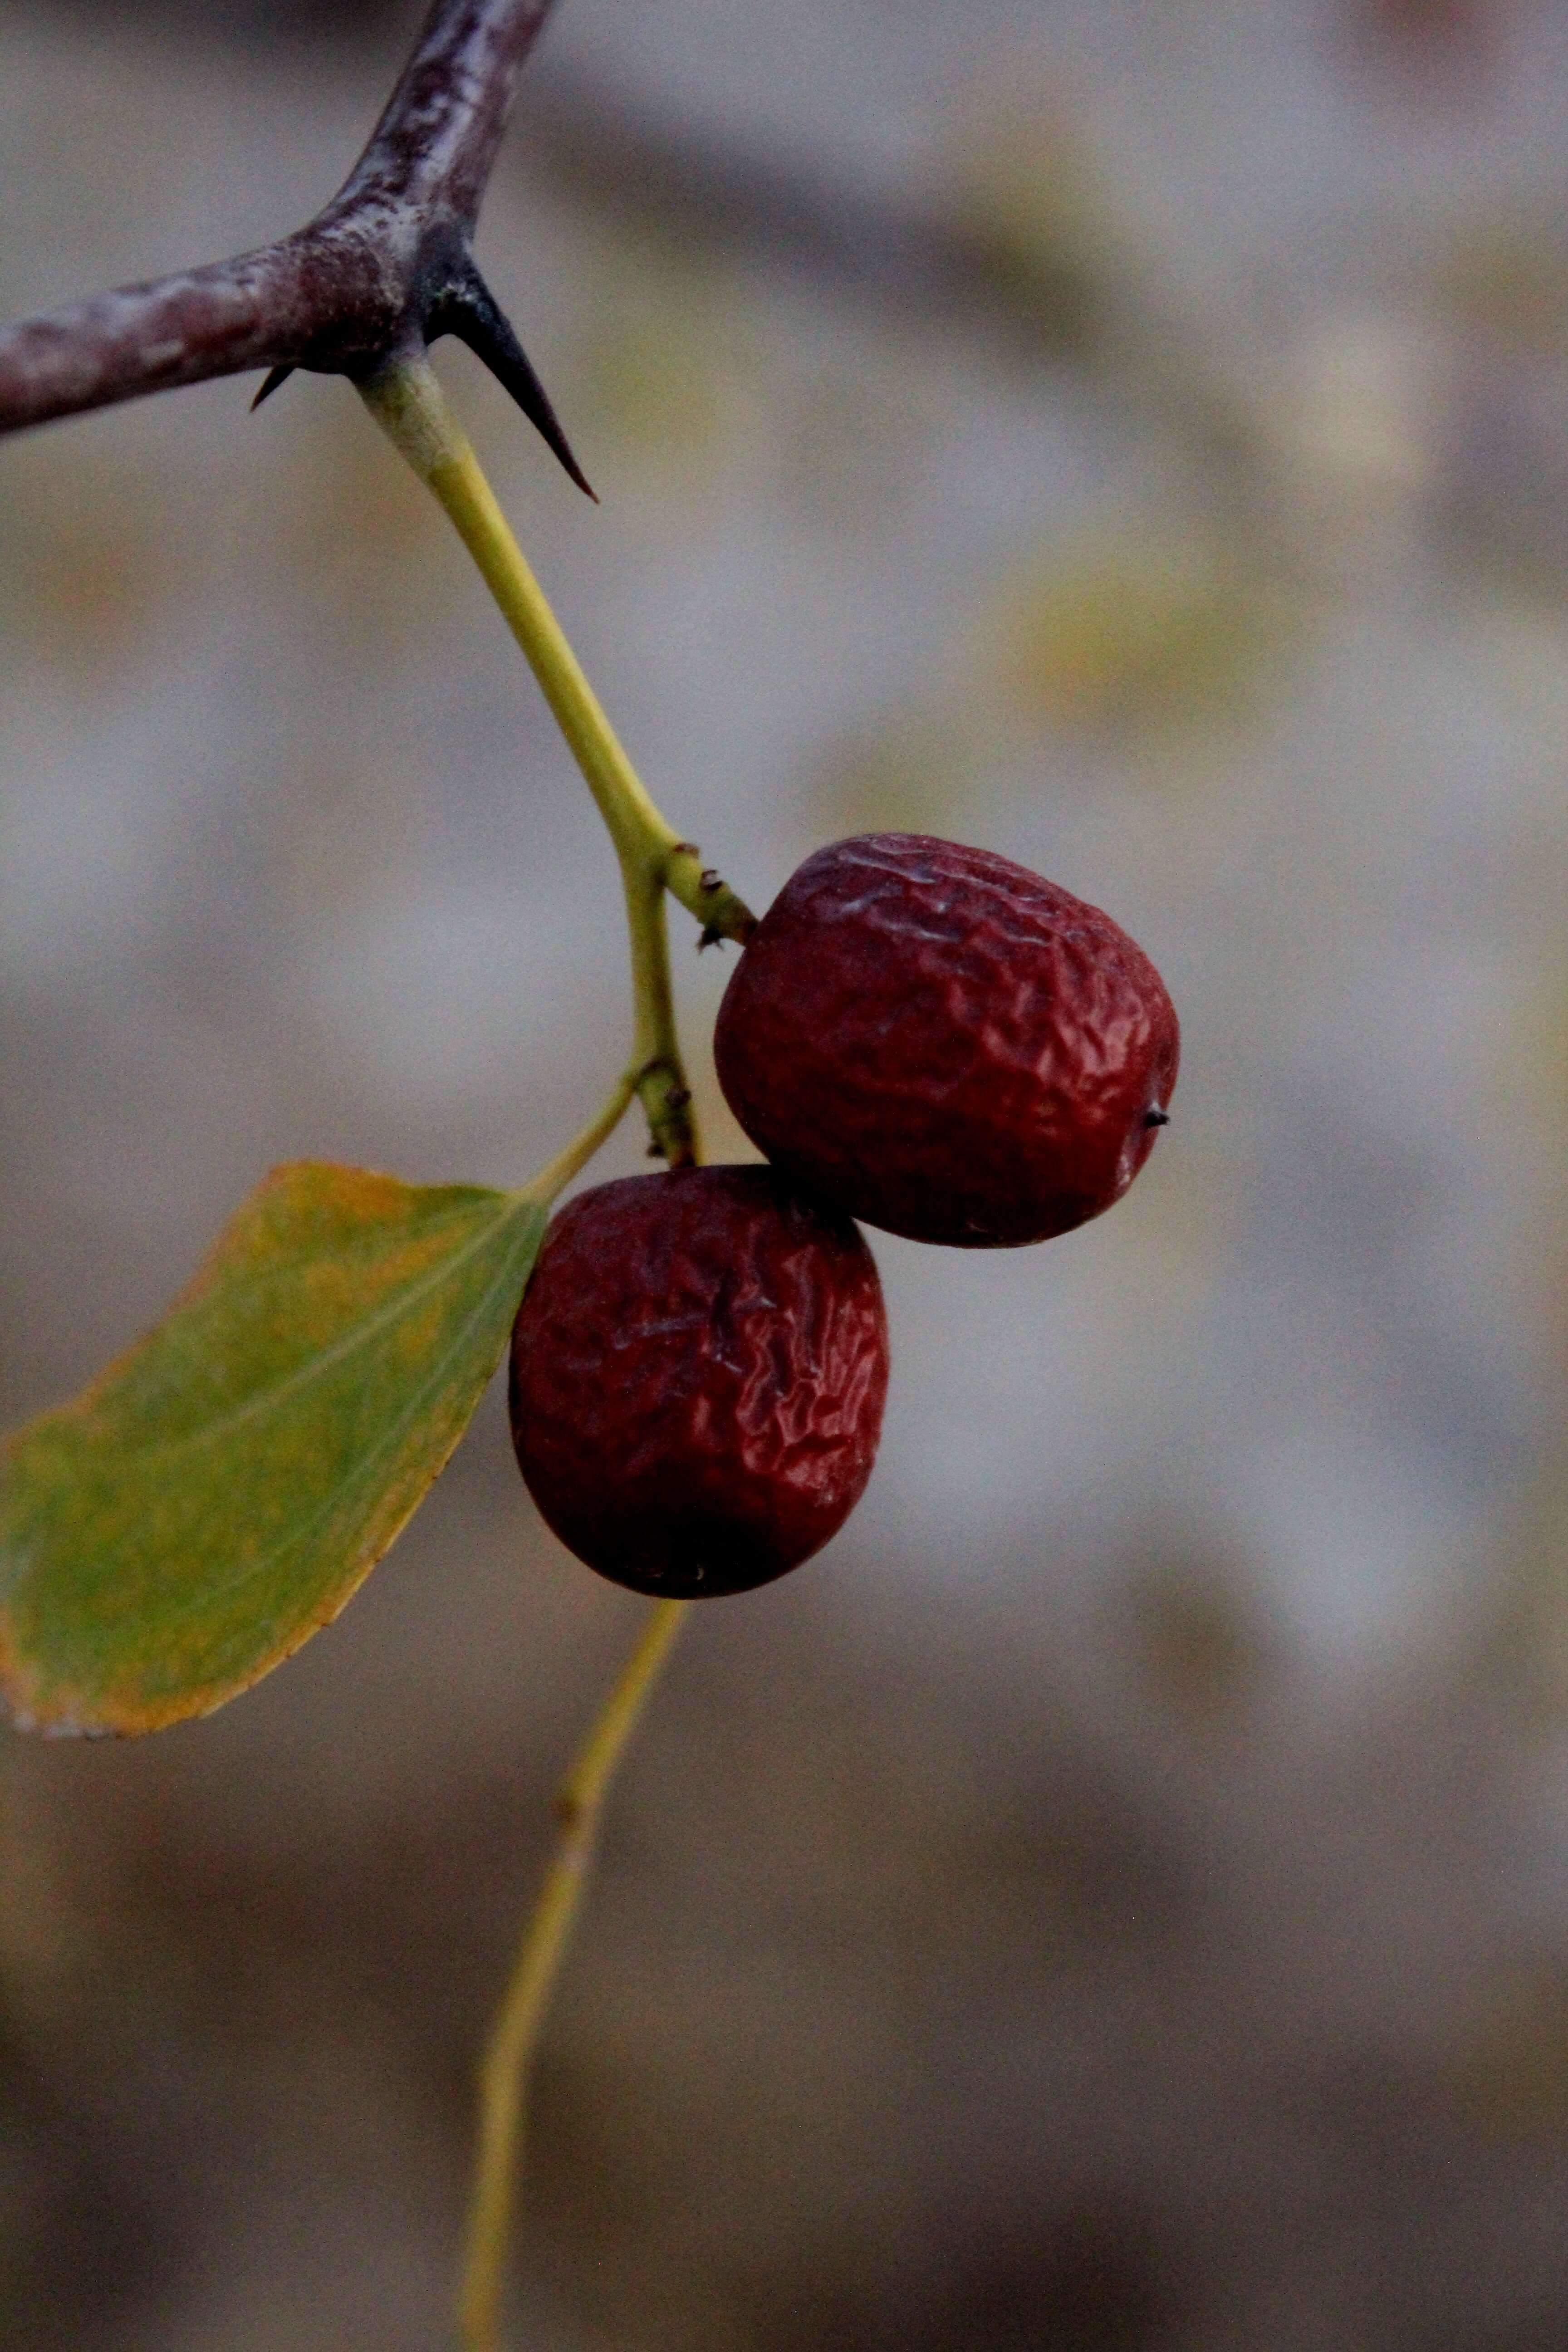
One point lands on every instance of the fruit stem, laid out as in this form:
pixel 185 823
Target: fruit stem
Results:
pixel 407 402
pixel 657 1072
pixel 515 2036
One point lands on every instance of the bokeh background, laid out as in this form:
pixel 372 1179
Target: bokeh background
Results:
pixel 1116 1897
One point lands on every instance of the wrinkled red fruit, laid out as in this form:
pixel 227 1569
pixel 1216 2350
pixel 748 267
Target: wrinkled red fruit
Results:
pixel 698 1373
pixel 943 1044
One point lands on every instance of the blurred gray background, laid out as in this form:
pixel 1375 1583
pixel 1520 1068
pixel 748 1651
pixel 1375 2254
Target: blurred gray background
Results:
pixel 1116 1897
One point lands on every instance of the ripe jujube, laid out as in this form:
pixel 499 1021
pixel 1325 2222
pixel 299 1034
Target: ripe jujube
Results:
pixel 698 1374
pixel 942 1043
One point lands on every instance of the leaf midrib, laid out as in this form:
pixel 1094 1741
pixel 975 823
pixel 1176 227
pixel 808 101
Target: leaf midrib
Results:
pixel 175 1611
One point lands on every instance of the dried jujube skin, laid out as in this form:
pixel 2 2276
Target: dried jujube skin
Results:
pixel 698 1369
pixel 942 1043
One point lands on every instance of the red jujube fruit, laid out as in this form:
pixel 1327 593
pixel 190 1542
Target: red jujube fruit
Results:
pixel 698 1374
pixel 942 1043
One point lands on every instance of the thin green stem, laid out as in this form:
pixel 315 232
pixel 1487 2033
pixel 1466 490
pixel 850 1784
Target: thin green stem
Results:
pixel 514 2039
pixel 659 1073
pixel 407 402
pixel 559 1172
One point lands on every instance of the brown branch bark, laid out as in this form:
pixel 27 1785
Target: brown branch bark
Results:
pixel 380 271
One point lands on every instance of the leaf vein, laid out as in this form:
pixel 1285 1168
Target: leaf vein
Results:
pixel 276 1396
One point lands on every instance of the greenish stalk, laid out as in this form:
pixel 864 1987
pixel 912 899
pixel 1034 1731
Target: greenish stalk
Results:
pixel 408 405
pixel 658 1073
pixel 558 1172
pixel 407 402
pixel 514 2039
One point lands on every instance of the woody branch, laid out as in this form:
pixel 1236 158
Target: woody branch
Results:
pixel 380 271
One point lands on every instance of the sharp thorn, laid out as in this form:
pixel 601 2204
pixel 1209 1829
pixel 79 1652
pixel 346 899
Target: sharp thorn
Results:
pixel 273 378
pixel 468 309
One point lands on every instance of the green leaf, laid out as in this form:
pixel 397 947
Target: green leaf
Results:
pixel 221 1491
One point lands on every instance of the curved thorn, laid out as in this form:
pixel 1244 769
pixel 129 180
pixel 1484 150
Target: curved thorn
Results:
pixel 275 376
pixel 466 308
